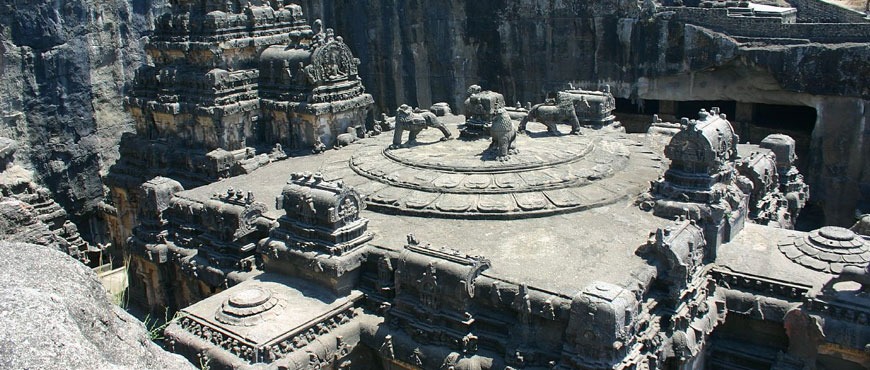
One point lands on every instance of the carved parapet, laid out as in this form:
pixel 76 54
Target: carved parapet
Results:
pixel 602 325
pixel 760 285
pixel 232 215
pixel 700 183
pixel 219 235
pixel 321 233
pixel 156 196
pixel 439 278
pixel 434 290
pixel 791 182
pixel 310 199
pixel 704 145
pixel 760 180
pixel 314 88
pixel 324 73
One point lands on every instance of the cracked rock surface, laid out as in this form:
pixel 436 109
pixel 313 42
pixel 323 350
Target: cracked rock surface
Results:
pixel 55 314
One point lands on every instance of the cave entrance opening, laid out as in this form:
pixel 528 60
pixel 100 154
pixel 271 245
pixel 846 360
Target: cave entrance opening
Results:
pixel 690 108
pixel 796 121
pixel 759 120
pixel 635 114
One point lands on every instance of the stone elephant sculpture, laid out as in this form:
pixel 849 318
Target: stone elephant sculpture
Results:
pixel 551 114
pixel 414 122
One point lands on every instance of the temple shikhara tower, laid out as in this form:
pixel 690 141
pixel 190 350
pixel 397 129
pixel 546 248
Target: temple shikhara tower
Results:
pixel 230 88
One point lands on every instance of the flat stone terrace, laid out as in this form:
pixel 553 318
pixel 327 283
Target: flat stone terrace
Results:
pixel 561 213
pixel 756 251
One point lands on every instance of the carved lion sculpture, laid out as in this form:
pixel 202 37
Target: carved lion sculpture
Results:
pixel 551 114
pixel 414 122
pixel 504 136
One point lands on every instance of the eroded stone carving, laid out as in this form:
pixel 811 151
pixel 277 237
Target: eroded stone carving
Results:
pixel 228 82
pixel 480 109
pixel 681 248
pixel 590 108
pixel 791 182
pixel 415 121
pixel 760 180
pixel 560 110
pixel 504 136
pixel 700 183
pixel 352 293
pixel 829 249
pixel 320 233
pixel 18 183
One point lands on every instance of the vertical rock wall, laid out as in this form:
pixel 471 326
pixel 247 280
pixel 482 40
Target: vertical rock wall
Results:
pixel 65 65
pixel 421 52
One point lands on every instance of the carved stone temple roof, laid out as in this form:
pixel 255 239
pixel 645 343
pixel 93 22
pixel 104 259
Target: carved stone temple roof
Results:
pixel 828 249
pixel 590 180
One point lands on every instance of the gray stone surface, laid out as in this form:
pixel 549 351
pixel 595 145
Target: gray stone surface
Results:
pixel 66 71
pixel 64 67
pixel 570 256
pixel 55 314
pixel 755 249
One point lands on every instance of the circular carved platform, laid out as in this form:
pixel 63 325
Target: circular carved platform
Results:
pixel 460 179
pixel 828 249
pixel 249 307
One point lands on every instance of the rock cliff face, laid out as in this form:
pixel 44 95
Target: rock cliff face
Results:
pixel 65 65
pixel 414 51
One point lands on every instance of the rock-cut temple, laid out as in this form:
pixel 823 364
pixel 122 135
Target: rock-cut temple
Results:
pixel 568 244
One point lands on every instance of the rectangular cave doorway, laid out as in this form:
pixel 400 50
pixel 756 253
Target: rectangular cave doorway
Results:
pixel 690 108
pixel 754 121
pixel 747 343
pixel 635 114
pixel 793 120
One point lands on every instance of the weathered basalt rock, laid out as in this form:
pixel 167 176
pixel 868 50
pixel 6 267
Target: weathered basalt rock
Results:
pixel 700 183
pixel 29 208
pixel 228 88
pixel 78 326
pixel 64 67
